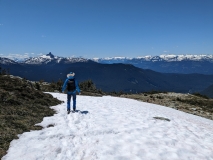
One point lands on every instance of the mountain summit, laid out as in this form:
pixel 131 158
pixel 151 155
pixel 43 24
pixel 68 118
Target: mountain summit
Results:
pixel 50 55
pixel 50 58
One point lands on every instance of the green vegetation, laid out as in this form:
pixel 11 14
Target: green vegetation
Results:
pixel 204 103
pixel 22 105
pixel 49 87
pixel 154 92
pixel 4 71
pixel 88 88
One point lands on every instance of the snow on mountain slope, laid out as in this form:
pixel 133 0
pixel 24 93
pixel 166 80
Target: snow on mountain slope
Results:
pixel 6 61
pixel 44 59
pixel 186 57
pixel 109 128
pixel 168 58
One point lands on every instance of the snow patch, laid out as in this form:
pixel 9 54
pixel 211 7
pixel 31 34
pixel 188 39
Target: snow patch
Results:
pixel 115 128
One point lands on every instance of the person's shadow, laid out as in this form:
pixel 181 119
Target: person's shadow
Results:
pixel 82 112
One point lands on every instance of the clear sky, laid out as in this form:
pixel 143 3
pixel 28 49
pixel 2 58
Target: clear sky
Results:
pixel 106 28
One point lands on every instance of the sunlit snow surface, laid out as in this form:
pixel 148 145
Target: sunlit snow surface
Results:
pixel 111 128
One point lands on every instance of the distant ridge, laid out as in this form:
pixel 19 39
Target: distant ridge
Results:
pixel 108 77
pixel 184 64
pixel 160 58
pixel 6 61
pixel 164 57
pixel 50 58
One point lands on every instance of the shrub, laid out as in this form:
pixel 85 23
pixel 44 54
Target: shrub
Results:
pixel 155 92
pixel 37 86
pixel 89 86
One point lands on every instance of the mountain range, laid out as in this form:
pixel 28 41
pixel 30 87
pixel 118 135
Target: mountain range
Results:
pixel 185 64
pixel 108 77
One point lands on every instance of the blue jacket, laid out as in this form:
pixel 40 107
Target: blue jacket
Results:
pixel 76 85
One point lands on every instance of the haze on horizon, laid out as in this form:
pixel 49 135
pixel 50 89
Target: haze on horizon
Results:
pixel 112 28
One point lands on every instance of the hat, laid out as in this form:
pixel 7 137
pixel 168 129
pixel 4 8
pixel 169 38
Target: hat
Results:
pixel 71 74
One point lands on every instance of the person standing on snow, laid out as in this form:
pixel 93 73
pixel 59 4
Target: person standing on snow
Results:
pixel 71 85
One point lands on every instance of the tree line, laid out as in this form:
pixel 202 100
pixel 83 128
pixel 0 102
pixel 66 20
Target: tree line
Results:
pixel 4 71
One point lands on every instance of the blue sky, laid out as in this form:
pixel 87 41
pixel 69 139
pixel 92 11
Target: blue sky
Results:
pixel 105 28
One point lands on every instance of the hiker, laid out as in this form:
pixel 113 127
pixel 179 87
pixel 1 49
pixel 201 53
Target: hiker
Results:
pixel 71 85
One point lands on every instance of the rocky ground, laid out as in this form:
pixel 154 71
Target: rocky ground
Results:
pixel 193 104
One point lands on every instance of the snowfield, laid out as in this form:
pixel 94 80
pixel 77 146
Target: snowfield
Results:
pixel 110 128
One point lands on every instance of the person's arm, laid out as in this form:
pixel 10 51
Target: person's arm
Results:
pixel 64 85
pixel 77 87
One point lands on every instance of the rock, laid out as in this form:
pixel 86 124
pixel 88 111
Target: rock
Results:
pixel 12 76
pixel 162 118
pixel 195 113
pixel 45 83
pixel 11 93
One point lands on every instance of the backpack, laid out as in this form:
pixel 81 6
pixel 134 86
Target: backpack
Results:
pixel 71 85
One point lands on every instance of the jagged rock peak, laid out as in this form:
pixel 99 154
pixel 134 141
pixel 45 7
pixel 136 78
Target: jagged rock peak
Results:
pixel 50 54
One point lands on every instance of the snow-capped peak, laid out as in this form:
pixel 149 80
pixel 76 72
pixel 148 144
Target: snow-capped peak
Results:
pixel 44 59
pixel 186 57
pixel 41 59
pixel 169 58
pixel 6 61
pixel 112 59
pixel 172 57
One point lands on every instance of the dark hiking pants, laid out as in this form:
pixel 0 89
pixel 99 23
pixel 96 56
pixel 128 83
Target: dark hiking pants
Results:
pixel 73 95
